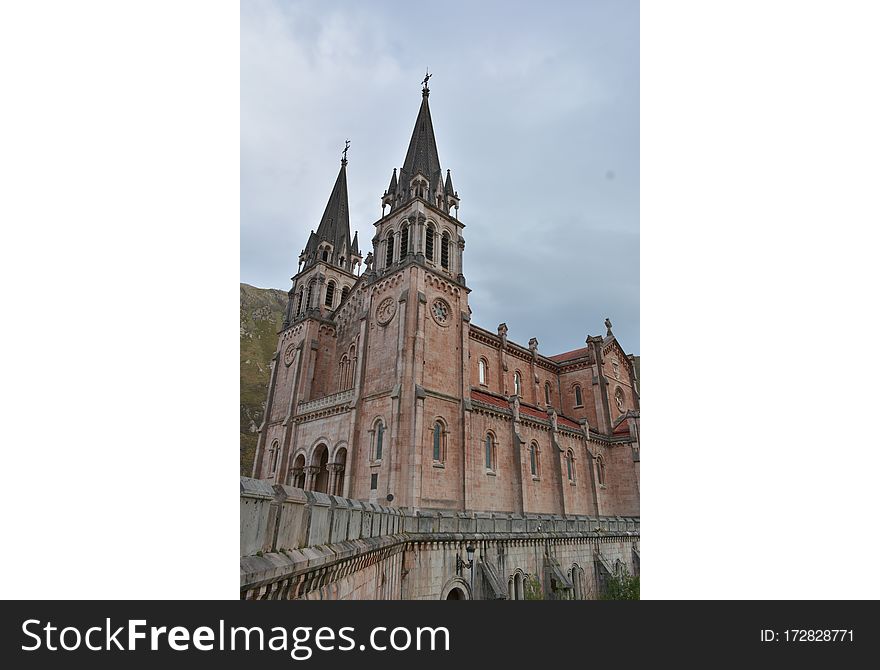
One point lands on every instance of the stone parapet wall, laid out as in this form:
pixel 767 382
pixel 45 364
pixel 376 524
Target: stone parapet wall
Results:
pixel 295 542
pixel 282 518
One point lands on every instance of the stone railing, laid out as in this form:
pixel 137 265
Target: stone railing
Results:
pixel 287 531
pixel 282 518
pixel 327 401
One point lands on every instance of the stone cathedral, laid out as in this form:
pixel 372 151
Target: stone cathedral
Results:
pixel 383 389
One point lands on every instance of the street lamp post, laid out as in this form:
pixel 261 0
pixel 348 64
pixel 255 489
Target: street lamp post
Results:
pixel 459 564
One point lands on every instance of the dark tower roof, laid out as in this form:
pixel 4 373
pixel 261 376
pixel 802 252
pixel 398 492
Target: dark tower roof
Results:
pixel 334 223
pixel 421 158
pixel 334 227
pixel 422 153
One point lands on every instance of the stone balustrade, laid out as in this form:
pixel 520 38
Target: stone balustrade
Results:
pixel 327 401
pixel 293 540
pixel 282 518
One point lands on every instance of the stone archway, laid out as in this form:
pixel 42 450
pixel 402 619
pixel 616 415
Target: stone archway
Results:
pixel 320 458
pixel 455 589
pixel 298 472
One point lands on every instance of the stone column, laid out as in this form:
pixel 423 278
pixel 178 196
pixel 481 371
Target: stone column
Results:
pixel 420 239
pixel 311 475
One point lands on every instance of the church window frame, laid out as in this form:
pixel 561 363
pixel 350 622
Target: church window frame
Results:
pixel 547 394
pixel 377 440
pixel 430 233
pixel 345 292
pixel 309 296
pixel 329 294
pixel 535 460
pixel 571 468
pixel 578 395
pixel 274 455
pixel 389 250
pixel 439 434
pixel 404 239
pixel 517 384
pixel 445 250
pixel 483 372
pixel 490 453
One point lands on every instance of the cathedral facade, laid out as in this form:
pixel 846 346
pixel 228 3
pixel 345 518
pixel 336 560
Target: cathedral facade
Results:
pixel 382 388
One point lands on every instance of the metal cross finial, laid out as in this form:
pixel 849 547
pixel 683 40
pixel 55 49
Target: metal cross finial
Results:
pixel 425 80
pixel 345 150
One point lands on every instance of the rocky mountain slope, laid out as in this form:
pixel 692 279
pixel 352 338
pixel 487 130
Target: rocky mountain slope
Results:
pixel 261 313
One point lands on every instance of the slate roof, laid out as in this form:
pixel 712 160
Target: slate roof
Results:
pixel 570 355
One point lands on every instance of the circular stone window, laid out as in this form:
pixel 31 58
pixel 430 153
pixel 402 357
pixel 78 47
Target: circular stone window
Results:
pixel 289 354
pixel 440 311
pixel 386 310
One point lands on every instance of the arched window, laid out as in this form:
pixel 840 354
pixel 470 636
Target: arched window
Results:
pixel 439 442
pixel 533 458
pixel 429 243
pixel 331 289
pixel 342 261
pixel 309 296
pixel 490 451
pixel 325 254
pixel 379 439
pixel 404 240
pixel 517 383
pixel 298 475
pixel 389 250
pixel 275 454
pixel 578 398
pixel 299 305
pixel 444 251
pixel 569 464
pixel 600 470
pixel 483 371
pixel 345 290
pixel 547 393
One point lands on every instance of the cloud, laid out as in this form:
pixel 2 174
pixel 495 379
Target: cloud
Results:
pixel 532 111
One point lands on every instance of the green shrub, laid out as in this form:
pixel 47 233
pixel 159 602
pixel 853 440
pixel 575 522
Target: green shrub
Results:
pixel 621 586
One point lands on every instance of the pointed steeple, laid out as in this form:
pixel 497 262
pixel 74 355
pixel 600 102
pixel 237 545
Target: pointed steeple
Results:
pixel 354 245
pixel 392 187
pixel 334 228
pixel 421 158
pixel 335 219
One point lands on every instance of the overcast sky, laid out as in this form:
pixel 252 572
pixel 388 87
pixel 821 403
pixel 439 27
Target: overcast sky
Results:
pixel 536 112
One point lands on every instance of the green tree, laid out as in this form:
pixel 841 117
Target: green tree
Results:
pixel 621 586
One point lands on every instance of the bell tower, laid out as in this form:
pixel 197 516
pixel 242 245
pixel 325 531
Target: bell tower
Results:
pixel 419 332
pixel 419 224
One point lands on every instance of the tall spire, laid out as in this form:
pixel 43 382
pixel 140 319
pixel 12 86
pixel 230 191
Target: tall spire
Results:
pixel 335 219
pixel 421 159
pixel 334 227
pixel 421 156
